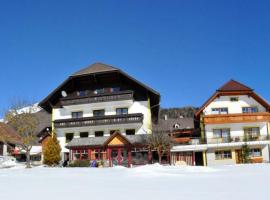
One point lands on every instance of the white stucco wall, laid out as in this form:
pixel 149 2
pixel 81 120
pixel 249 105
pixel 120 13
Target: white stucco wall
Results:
pixel 110 109
pixel 233 107
pixel 236 129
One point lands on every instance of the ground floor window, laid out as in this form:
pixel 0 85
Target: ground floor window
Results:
pixel 35 157
pixel 139 157
pixel 222 155
pixel 255 152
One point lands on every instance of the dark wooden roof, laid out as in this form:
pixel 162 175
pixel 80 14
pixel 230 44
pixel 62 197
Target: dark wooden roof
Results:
pixel 8 134
pixel 44 121
pixel 232 88
pixel 233 85
pixel 101 141
pixel 168 124
pixel 95 70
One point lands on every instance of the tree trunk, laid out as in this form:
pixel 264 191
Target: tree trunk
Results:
pixel 28 164
pixel 159 156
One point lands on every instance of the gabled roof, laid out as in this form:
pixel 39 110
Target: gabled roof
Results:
pixel 101 141
pixel 8 134
pixel 233 87
pixel 95 68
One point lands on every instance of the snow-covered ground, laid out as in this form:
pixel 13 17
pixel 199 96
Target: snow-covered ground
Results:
pixel 141 183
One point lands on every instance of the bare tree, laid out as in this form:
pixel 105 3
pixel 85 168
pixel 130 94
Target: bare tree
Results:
pixel 20 116
pixel 160 142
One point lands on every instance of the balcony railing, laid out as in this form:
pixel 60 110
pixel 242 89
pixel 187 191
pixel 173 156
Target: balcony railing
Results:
pixel 100 120
pixel 105 97
pixel 237 139
pixel 198 140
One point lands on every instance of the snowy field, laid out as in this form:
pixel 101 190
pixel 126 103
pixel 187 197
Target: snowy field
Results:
pixel 147 182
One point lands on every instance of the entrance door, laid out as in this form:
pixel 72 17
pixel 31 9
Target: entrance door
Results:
pixel 119 157
pixel 238 155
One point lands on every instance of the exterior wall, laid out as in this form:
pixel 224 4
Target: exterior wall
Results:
pixel 233 107
pixel 110 109
pixel 211 159
pixel 236 129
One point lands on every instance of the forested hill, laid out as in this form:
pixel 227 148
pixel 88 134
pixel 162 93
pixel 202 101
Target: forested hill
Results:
pixel 177 112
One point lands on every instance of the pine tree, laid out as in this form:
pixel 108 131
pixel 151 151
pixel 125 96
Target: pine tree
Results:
pixel 52 151
pixel 245 154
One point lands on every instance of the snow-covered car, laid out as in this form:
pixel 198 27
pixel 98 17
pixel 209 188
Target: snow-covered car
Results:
pixel 7 161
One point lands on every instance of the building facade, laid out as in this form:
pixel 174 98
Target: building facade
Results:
pixel 235 116
pixel 101 112
pixel 234 121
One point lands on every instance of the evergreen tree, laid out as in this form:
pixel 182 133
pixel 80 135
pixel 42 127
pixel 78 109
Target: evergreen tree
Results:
pixel 245 154
pixel 52 151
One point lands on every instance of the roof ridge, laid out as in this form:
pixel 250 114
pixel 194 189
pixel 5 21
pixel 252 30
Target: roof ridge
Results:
pixel 233 85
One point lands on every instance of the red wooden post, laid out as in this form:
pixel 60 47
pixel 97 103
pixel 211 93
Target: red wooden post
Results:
pixel 109 157
pixel 149 156
pixel 129 158
pixel 89 154
pixel 119 156
pixel 80 154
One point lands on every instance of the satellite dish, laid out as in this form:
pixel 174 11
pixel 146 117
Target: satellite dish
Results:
pixel 64 94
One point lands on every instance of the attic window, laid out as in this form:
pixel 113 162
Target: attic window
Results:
pixel 176 126
pixel 82 93
pixel 234 99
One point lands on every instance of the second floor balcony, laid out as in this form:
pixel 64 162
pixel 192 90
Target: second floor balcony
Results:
pixel 99 120
pixel 97 98
pixel 234 139
pixel 236 118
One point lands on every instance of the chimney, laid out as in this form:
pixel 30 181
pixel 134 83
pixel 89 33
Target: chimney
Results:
pixel 166 117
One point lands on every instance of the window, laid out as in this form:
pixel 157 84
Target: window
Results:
pixel 234 99
pixel 106 90
pixel 255 153
pixel 99 134
pixel 250 109
pixel 76 115
pixel 84 154
pixel 121 111
pixel 113 131
pixel 130 132
pixel 219 110
pixel 82 93
pixel 221 133
pixel 252 132
pixel 97 113
pixel 83 134
pixel 69 137
pixel 222 155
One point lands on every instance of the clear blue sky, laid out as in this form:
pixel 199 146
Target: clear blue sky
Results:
pixel 183 49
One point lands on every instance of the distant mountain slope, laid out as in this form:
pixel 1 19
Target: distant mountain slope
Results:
pixel 188 111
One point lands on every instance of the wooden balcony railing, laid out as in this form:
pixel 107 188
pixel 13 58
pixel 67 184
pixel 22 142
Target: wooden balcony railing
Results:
pixel 100 120
pixel 105 97
pixel 236 118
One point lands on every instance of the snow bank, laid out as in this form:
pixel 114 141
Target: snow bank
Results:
pixel 146 182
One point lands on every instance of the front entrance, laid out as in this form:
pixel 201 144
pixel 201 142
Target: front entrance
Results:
pixel 119 156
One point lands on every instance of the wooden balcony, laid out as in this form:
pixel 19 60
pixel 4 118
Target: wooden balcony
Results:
pixel 97 98
pixel 100 120
pixel 237 139
pixel 236 118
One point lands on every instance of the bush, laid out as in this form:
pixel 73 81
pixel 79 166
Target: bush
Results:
pixel 80 163
pixel 52 151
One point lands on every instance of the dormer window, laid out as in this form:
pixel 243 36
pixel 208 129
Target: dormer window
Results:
pixel 82 93
pixel 220 110
pixel 252 109
pixel 234 99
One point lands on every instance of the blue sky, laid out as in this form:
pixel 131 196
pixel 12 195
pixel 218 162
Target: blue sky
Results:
pixel 183 49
